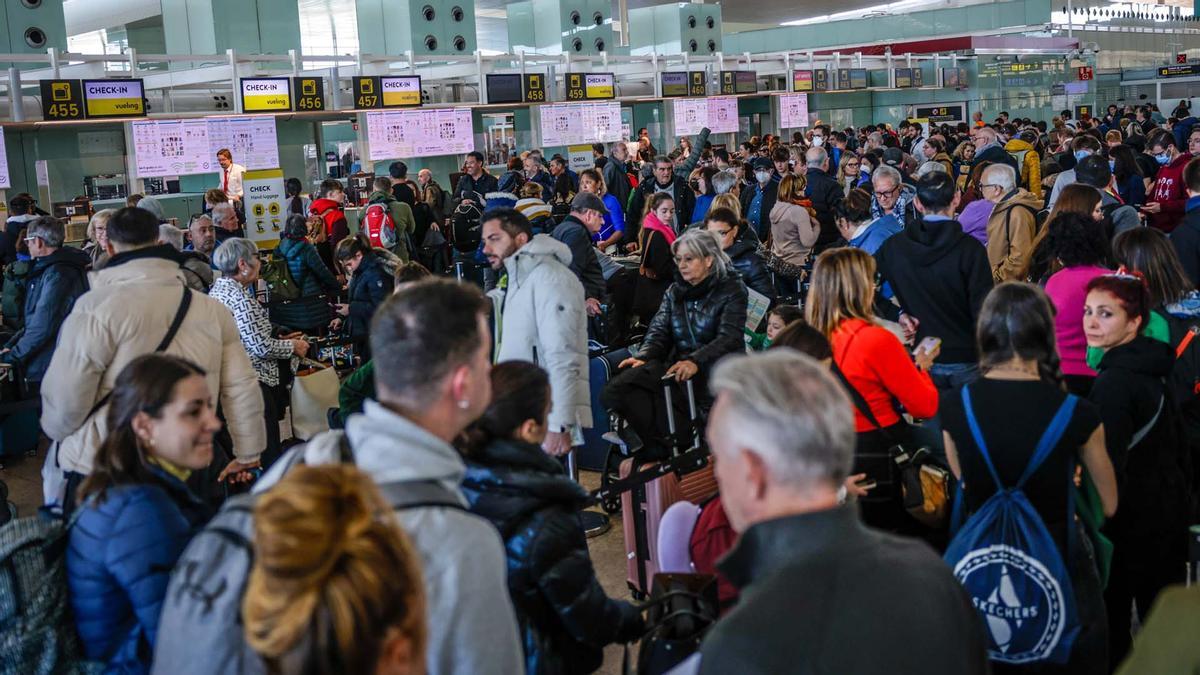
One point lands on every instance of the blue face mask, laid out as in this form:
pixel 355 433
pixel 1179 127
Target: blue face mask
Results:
pixel 1112 165
pixel 1163 159
pixel 1081 154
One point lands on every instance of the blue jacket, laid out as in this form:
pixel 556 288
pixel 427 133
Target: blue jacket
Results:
pixel 53 285
pixel 700 210
pixel 119 560
pixel 879 231
pixel 565 616
pixel 369 287
pixel 1183 129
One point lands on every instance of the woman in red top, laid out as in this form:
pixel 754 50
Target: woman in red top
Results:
pixel 877 371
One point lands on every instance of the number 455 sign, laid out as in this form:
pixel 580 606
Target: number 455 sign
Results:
pixel 62 100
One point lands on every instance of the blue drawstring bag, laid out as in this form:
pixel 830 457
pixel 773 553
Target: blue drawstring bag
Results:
pixel 1009 564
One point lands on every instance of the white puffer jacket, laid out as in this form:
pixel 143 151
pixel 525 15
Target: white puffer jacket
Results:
pixel 125 315
pixel 544 320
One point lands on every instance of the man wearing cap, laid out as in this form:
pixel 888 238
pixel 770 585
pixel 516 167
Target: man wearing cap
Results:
pixel 576 230
pixel 758 201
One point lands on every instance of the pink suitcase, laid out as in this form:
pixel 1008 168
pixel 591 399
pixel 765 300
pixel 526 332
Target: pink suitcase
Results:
pixel 642 508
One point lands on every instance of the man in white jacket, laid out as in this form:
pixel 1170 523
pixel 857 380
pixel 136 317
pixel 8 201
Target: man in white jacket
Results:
pixel 541 317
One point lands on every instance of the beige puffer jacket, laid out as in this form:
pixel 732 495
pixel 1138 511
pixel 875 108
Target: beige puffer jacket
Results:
pixel 125 315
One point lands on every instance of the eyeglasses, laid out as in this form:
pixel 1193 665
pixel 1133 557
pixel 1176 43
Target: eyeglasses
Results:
pixel 886 193
pixel 990 185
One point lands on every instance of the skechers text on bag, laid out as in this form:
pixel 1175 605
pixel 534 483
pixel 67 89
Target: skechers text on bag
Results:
pixel 379 226
pixel 1009 564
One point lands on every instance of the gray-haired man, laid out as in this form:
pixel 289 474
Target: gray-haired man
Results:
pixel 58 277
pixel 817 586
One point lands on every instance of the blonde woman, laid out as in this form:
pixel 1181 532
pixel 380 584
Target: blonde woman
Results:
pixel 794 227
pixel 849 172
pixel 876 370
pixel 336 585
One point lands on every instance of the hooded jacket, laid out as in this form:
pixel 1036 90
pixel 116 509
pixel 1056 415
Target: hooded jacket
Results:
pixel 564 615
pixel 1030 172
pixel 309 312
pixel 1170 192
pixel 699 323
pixel 54 283
pixel 370 285
pixel 1010 232
pixel 752 267
pixel 940 275
pixel 541 318
pixel 125 315
pixel 472 628
pixel 1152 476
pixel 793 232
pixel 119 561
pixel 331 212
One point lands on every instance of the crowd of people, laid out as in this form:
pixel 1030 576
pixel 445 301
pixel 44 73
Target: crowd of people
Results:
pixel 1012 301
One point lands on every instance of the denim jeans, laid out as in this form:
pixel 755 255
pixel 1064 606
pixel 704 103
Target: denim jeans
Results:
pixel 953 375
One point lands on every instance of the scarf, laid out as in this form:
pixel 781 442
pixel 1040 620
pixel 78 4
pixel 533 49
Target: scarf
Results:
pixel 651 222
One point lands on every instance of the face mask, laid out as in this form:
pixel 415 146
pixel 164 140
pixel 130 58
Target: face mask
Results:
pixel 1163 159
pixel 1081 154
pixel 762 176
pixel 818 141
pixel 695 185
pixel 1112 165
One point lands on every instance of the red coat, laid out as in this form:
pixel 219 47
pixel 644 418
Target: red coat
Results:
pixel 336 228
pixel 711 539
pixel 1170 192
pixel 880 369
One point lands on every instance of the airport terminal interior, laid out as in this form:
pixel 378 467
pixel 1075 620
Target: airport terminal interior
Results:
pixel 617 336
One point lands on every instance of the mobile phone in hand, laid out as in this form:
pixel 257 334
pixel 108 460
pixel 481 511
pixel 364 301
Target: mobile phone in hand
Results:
pixel 866 484
pixel 928 345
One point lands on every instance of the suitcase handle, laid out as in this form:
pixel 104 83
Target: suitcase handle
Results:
pixel 691 394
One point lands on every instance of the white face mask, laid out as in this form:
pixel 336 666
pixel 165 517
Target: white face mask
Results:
pixel 762 176
pixel 818 141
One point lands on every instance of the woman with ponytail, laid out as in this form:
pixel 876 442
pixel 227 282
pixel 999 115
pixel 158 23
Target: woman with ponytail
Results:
pixel 136 513
pixel 335 587
pixel 1021 380
pixel 565 617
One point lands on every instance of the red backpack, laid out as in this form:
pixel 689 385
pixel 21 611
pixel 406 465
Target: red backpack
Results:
pixel 379 226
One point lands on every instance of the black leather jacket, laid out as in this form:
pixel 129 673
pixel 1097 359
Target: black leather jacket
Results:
pixel 699 323
pixel 750 265
pixel 565 617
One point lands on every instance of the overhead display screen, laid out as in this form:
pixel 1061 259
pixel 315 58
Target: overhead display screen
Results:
pixel 114 98
pixel 504 88
pixel 186 147
pixel 718 113
pixel 793 111
pixel 419 133
pixel 580 123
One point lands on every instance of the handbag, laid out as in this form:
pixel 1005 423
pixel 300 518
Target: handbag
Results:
pixel 314 392
pixel 925 485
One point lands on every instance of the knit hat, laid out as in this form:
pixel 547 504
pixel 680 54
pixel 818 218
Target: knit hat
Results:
pixel 500 200
pixel 533 208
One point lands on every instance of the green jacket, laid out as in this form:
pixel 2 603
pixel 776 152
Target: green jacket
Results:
pixel 1167 643
pixel 356 389
pixel 402 215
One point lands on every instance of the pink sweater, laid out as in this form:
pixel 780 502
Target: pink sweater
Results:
pixel 1067 288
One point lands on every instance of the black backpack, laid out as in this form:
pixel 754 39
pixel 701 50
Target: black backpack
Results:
pixel 466 230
